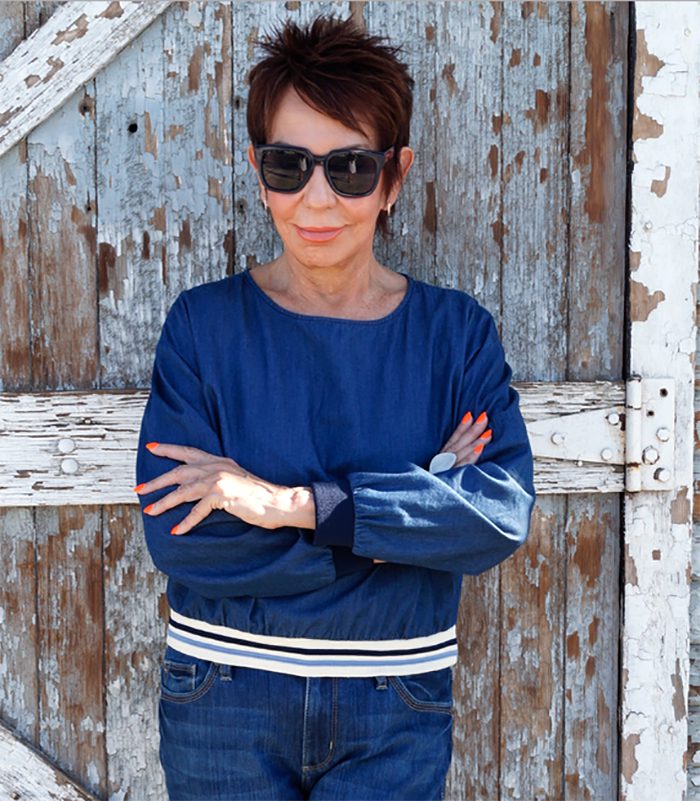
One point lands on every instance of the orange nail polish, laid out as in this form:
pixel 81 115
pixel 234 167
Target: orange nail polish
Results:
pixel 151 445
pixel 173 530
pixel 148 508
pixel 481 417
pixel 467 417
pixel 486 434
pixel 139 487
pixel 479 447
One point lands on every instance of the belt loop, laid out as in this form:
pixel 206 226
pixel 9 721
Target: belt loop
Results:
pixel 225 672
pixel 380 682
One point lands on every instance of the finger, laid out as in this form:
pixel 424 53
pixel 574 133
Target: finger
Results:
pixel 196 515
pixel 464 425
pixel 181 453
pixel 470 452
pixel 379 561
pixel 187 492
pixel 467 427
pixel 182 474
pixel 469 439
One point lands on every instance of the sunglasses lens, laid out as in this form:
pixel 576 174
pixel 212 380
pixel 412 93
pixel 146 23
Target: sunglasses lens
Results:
pixel 284 170
pixel 352 173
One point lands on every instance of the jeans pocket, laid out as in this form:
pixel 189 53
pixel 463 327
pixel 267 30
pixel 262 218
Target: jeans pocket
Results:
pixel 426 692
pixel 184 678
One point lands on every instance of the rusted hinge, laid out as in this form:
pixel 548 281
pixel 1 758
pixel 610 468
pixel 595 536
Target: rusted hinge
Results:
pixel 638 435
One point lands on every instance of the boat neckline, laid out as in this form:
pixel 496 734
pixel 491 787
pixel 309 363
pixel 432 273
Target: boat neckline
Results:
pixel 299 315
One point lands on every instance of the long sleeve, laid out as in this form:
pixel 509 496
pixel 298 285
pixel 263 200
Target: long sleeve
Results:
pixel 223 555
pixel 464 520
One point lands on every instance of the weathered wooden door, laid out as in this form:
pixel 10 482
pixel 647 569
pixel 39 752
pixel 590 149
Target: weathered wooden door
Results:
pixel 135 186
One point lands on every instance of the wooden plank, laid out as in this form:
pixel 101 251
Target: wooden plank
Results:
pixel 532 275
pixel 61 213
pixel 18 678
pixel 461 197
pixel 19 696
pixel 62 448
pixel 597 117
pixel 411 243
pixel 136 611
pixel 52 64
pixel 136 287
pixel 693 760
pixel 25 774
pixel 663 263
pixel 166 222
pixel 71 628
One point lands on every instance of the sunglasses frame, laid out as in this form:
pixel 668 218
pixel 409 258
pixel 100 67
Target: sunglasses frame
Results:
pixel 380 157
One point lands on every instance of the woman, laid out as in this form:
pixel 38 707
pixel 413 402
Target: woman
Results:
pixel 288 442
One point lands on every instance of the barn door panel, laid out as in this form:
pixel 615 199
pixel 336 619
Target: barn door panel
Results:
pixel 165 193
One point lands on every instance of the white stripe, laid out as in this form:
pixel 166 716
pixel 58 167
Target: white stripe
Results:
pixel 305 642
pixel 371 666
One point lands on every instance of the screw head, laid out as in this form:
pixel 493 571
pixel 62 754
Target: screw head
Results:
pixel 662 474
pixel 69 466
pixel 663 434
pixel 606 454
pixel 557 438
pixel 613 418
pixel 650 455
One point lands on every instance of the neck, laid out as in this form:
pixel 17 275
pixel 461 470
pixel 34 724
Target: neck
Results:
pixel 340 286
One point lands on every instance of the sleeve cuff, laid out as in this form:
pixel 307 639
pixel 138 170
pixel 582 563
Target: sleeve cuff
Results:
pixel 346 561
pixel 335 513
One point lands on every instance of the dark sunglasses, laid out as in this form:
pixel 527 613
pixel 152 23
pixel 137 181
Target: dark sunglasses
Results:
pixel 351 172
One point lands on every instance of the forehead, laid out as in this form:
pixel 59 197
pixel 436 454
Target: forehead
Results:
pixel 297 123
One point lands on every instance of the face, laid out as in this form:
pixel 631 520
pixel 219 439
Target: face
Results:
pixel 316 206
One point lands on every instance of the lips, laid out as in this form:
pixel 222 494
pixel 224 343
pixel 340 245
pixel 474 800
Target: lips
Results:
pixel 318 234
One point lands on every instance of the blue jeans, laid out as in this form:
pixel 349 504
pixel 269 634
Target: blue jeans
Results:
pixel 230 732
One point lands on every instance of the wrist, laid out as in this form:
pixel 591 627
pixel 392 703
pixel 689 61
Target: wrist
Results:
pixel 300 506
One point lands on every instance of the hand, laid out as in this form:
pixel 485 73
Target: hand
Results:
pixel 468 439
pixel 461 442
pixel 220 483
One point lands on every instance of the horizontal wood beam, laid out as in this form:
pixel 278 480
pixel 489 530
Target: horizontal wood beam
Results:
pixel 77 40
pixel 27 774
pixel 70 448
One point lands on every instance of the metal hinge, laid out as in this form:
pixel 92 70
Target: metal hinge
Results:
pixel 638 435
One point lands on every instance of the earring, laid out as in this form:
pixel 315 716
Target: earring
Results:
pixel 264 202
pixel 388 209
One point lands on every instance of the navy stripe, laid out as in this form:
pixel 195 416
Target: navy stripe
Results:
pixel 303 650
pixel 331 663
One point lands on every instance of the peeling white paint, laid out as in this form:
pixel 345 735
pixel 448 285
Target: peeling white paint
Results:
pixel 655 623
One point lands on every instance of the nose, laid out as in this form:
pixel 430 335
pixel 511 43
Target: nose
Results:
pixel 318 192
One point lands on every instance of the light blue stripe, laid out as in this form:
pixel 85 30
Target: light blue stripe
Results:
pixel 372 661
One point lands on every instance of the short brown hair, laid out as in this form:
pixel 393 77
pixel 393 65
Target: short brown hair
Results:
pixel 342 71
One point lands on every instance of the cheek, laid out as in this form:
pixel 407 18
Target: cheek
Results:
pixel 366 210
pixel 282 206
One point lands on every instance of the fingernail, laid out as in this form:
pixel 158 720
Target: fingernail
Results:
pixel 139 487
pixel 467 417
pixel 481 417
pixel 479 447
pixel 148 508
pixel 173 530
pixel 151 445
pixel 486 434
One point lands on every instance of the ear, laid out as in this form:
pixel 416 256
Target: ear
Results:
pixel 251 157
pixel 253 164
pixel 406 157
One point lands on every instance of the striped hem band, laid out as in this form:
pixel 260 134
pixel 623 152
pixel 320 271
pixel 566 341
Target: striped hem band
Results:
pixel 303 656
